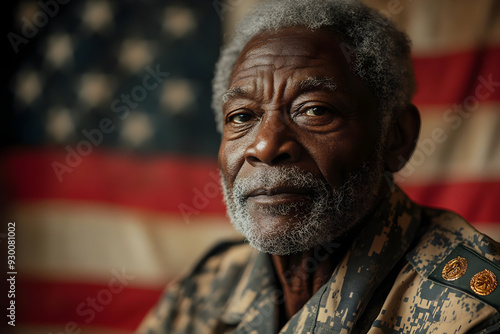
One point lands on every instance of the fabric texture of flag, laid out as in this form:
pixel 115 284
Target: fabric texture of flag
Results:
pixel 108 161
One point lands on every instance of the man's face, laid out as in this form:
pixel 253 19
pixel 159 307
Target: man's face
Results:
pixel 300 156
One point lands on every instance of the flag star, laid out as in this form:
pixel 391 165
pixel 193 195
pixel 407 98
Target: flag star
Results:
pixel 94 89
pixel 59 124
pixel 59 51
pixel 178 21
pixel 177 95
pixel 136 54
pixel 136 129
pixel 97 15
pixel 28 87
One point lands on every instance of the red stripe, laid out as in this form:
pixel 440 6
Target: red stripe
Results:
pixel 156 183
pixel 163 183
pixel 42 302
pixel 452 78
pixel 475 201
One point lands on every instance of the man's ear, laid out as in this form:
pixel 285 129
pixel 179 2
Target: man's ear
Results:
pixel 401 137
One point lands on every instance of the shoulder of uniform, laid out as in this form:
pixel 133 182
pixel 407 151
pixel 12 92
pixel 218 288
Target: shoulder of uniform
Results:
pixel 200 288
pixel 444 231
pixel 224 255
pixel 223 262
pixel 455 254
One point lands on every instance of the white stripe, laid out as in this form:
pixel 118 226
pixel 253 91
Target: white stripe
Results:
pixel 467 150
pixel 84 241
pixel 444 26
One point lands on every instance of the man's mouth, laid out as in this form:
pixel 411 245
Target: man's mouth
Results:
pixel 277 195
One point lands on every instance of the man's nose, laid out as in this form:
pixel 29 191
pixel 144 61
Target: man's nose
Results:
pixel 274 143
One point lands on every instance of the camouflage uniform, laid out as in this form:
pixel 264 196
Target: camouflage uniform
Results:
pixel 389 280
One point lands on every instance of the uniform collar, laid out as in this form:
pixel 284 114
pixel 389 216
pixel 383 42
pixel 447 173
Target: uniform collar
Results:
pixel 381 243
pixel 253 302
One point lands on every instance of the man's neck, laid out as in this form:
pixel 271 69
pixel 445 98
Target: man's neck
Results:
pixel 301 275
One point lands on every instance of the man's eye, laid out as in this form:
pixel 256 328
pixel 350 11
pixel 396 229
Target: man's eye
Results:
pixel 239 118
pixel 316 111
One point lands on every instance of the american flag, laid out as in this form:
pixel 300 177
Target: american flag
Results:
pixel 109 165
pixel 109 153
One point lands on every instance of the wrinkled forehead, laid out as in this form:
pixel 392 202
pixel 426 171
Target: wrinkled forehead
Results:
pixel 295 47
pixel 292 55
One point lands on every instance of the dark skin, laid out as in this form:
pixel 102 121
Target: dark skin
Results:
pixel 275 115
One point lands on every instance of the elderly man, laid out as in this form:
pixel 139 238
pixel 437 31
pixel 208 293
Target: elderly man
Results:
pixel 313 99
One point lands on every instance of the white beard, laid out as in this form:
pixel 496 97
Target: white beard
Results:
pixel 325 216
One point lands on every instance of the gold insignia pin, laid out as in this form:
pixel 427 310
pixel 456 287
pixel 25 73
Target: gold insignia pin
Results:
pixel 483 283
pixel 454 269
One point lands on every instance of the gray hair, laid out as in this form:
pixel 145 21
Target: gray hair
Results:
pixel 380 53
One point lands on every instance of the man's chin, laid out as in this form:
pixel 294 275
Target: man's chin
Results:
pixel 276 217
pixel 283 236
pixel 277 246
pixel 282 245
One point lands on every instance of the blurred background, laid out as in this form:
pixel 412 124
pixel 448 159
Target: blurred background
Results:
pixel 108 157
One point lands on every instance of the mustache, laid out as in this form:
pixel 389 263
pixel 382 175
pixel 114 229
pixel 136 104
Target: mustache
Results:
pixel 276 180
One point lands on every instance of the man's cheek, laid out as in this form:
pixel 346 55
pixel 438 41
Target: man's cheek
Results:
pixel 231 160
